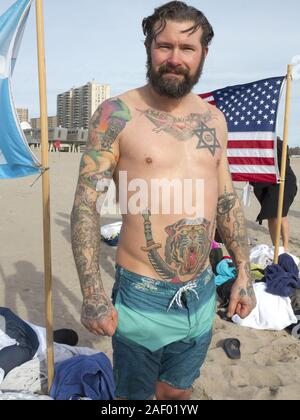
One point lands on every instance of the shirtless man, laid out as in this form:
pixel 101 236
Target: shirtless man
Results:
pixel 164 295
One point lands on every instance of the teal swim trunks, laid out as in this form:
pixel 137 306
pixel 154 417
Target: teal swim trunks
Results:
pixel 163 333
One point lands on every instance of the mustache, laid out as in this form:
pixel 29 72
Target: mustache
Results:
pixel 168 68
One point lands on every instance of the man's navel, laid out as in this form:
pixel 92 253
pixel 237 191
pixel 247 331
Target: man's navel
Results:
pixel 149 160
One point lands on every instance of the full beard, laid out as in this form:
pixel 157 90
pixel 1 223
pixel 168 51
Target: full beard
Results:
pixel 172 87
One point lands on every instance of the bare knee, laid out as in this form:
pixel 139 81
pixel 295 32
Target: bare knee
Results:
pixel 167 392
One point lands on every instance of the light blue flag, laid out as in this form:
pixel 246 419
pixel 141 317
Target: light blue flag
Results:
pixel 16 158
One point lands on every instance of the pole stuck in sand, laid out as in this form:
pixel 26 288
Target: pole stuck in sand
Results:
pixel 45 189
pixel 283 160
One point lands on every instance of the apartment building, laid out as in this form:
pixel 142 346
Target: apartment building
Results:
pixel 36 122
pixel 76 106
pixel 23 114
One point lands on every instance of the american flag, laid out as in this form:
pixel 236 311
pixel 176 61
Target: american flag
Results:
pixel 251 114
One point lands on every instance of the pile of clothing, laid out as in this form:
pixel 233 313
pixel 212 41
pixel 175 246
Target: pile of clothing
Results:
pixel 80 373
pixel 110 233
pixel 276 286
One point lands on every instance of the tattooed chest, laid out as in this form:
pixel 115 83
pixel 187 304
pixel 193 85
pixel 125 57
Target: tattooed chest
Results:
pixel 194 126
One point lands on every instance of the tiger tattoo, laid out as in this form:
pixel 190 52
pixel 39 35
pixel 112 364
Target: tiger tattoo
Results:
pixel 188 245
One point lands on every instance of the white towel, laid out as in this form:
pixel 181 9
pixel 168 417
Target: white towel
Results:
pixel 271 313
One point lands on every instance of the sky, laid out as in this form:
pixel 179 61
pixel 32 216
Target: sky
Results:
pixel 103 40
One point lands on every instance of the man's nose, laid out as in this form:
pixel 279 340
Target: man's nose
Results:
pixel 175 58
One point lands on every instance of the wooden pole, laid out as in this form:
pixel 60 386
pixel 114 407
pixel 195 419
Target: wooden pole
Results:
pixel 46 189
pixel 283 161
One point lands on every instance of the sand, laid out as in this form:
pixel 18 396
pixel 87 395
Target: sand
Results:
pixel 270 364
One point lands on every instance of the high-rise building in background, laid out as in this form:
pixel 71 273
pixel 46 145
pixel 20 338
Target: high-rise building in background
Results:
pixel 36 122
pixel 23 114
pixel 76 106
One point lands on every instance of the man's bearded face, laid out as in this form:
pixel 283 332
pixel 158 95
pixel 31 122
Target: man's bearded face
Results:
pixel 173 87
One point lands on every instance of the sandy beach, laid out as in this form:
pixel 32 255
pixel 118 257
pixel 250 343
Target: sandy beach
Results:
pixel 270 364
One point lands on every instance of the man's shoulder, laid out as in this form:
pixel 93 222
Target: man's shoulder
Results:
pixel 210 108
pixel 124 101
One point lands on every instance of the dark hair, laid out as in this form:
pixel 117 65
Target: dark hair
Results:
pixel 180 12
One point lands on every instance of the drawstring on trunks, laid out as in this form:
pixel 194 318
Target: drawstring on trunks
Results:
pixel 178 295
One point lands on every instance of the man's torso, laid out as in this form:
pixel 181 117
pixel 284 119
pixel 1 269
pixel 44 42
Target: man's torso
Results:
pixel 170 162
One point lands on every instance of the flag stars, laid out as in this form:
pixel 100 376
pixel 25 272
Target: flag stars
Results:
pixel 251 107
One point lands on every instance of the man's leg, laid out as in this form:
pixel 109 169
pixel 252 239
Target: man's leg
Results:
pixel 136 370
pixel 272 223
pixel 285 233
pixel 167 392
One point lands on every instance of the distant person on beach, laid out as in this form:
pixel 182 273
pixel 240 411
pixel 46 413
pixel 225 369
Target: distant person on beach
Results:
pixel 268 196
pixel 164 299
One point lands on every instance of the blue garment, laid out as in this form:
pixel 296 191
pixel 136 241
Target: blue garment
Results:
pixel 84 376
pixel 225 272
pixel 163 334
pixel 282 278
pixel 28 343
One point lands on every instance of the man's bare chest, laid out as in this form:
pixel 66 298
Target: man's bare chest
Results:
pixel 157 139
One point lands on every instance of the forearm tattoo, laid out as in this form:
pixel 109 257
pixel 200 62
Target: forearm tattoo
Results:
pixel 232 228
pixel 96 171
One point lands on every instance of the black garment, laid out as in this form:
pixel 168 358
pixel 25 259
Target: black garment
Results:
pixel 28 343
pixel 268 194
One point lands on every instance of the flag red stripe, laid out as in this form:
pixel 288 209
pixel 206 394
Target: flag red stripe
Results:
pixel 205 95
pixel 270 178
pixel 253 144
pixel 251 161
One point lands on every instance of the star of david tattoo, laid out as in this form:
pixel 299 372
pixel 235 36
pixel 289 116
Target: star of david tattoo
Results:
pixel 207 138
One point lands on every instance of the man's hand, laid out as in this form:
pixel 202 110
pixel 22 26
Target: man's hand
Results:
pixel 99 315
pixel 242 300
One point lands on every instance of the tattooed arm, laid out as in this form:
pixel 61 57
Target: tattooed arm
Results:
pixel 96 170
pixel 231 225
